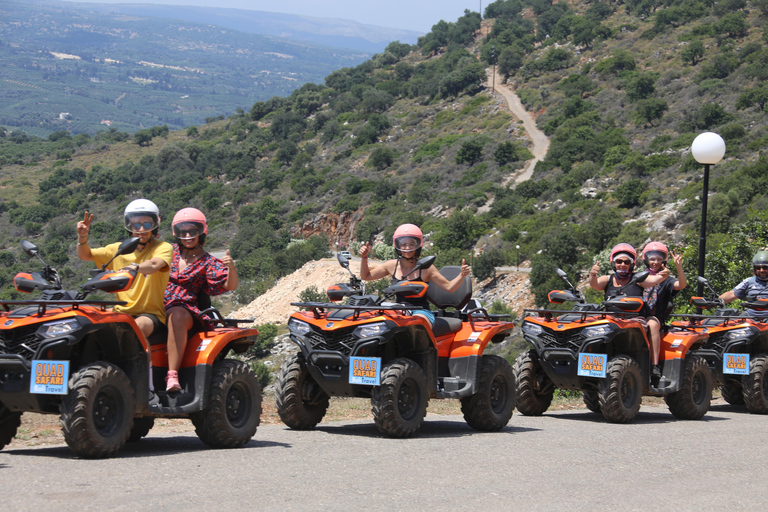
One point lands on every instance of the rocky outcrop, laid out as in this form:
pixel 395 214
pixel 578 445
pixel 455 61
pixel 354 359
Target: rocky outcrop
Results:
pixel 339 228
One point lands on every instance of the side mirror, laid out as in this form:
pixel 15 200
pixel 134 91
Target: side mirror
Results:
pixel 702 280
pixel 640 276
pixel 343 260
pixel 426 262
pixel 561 273
pixel 128 246
pixel 29 247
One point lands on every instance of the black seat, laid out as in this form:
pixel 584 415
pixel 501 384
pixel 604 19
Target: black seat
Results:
pixel 443 300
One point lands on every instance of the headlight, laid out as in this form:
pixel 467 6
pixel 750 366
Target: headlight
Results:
pixel 736 334
pixel 366 331
pixel 596 330
pixel 298 326
pixel 54 329
pixel 531 328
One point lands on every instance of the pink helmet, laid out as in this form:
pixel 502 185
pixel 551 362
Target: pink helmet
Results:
pixel 404 233
pixel 655 249
pixel 189 223
pixel 623 249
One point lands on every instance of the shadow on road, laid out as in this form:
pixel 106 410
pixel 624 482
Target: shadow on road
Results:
pixel 430 429
pixel 654 415
pixel 147 447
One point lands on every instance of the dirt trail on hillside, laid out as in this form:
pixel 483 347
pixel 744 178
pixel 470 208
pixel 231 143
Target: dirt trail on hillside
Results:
pixel 512 288
pixel 539 141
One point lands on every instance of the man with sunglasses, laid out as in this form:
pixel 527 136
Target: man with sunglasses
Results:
pixel 753 288
pixel 152 258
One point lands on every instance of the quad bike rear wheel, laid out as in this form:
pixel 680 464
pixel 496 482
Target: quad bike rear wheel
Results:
pixel 621 390
pixel 732 393
pixel 756 385
pixel 9 425
pixel 97 413
pixel 491 407
pixel 234 406
pixel 141 427
pixel 591 400
pixel 399 404
pixel 692 401
pixel 301 402
pixel 534 389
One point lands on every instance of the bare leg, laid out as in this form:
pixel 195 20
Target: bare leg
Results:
pixel 145 325
pixel 653 327
pixel 179 324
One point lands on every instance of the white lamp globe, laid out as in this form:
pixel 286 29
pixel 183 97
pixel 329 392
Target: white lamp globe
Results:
pixel 708 148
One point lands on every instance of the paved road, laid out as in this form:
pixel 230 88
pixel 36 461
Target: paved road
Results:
pixel 565 460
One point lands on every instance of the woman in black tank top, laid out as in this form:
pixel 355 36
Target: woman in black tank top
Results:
pixel 408 241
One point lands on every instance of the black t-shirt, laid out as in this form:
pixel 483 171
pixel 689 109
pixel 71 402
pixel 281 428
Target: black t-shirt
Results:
pixel 665 293
pixel 633 290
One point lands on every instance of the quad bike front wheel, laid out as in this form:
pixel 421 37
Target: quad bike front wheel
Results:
pixel 141 427
pixel 591 400
pixel 9 425
pixel 756 385
pixel 301 402
pixel 491 407
pixel 534 389
pixel 234 406
pixel 692 401
pixel 732 393
pixel 97 413
pixel 621 390
pixel 399 404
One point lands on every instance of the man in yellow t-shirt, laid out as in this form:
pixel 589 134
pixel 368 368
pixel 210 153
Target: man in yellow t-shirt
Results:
pixel 151 260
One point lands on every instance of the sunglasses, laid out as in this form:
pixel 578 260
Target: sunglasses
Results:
pixel 141 226
pixel 760 267
pixel 623 262
pixel 186 232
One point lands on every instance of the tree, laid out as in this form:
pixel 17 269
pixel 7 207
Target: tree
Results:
pixel 757 96
pixel 505 153
pixel 470 152
pixel 647 111
pixel 382 158
pixel 628 194
pixel 693 52
pixel 641 87
pixel 142 137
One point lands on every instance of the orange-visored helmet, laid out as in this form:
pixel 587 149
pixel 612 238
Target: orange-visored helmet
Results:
pixel 655 249
pixel 408 237
pixel 626 250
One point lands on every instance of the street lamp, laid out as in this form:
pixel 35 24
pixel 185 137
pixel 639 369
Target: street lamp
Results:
pixel 517 257
pixel 708 148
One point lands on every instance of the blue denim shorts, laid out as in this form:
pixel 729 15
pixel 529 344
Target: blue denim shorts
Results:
pixel 429 315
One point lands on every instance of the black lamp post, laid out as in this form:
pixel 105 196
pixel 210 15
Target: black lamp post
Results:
pixel 708 148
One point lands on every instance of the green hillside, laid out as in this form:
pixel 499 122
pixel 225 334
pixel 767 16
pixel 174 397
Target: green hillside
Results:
pixel 412 135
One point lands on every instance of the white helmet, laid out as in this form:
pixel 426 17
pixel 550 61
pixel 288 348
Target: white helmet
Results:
pixel 141 208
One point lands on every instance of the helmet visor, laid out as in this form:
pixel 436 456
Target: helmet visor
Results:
pixel 140 223
pixel 187 230
pixel 407 243
pixel 656 254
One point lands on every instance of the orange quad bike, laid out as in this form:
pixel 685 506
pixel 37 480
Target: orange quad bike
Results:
pixel 603 351
pixel 68 354
pixel 737 348
pixel 374 348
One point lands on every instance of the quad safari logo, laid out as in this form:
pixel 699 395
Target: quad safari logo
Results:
pixel 592 365
pixel 365 370
pixel 49 377
pixel 736 364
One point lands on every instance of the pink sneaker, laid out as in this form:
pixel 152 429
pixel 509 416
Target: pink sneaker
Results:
pixel 172 382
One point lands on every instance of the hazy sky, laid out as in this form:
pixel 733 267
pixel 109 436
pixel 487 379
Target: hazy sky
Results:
pixel 405 14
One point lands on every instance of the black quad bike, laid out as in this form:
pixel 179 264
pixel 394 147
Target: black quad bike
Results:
pixel 736 349
pixel 603 351
pixel 374 348
pixel 70 355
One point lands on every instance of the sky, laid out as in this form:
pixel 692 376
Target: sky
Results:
pixel 417 15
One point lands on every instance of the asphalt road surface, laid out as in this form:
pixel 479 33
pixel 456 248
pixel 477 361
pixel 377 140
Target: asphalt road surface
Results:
pixel 564 460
